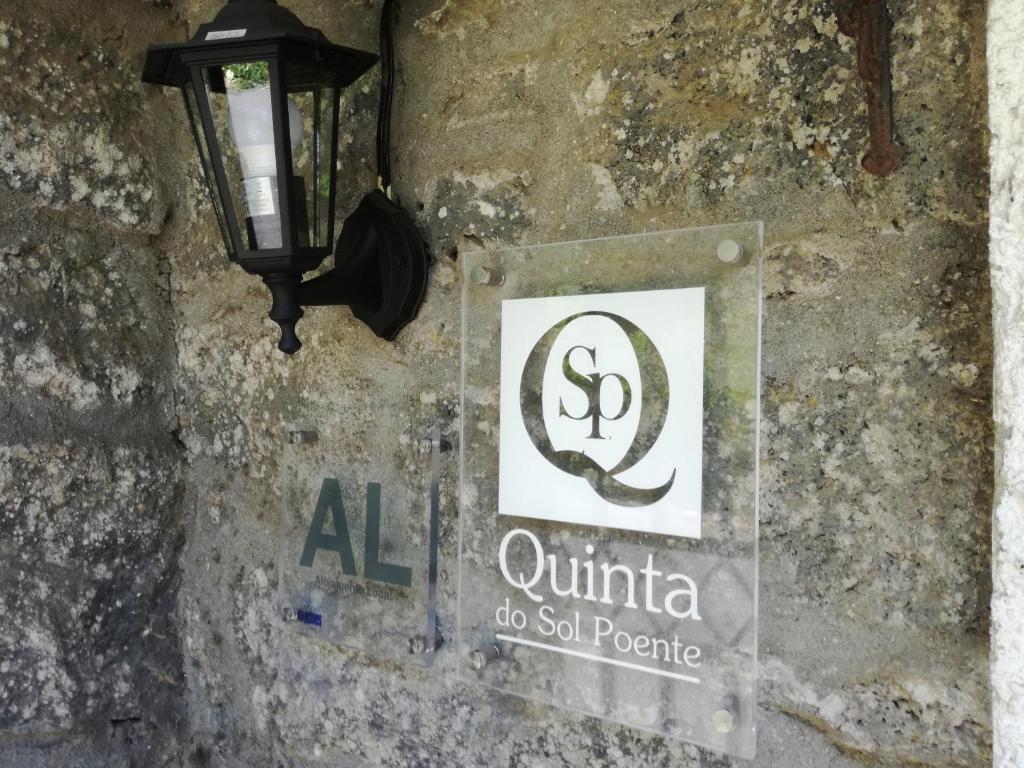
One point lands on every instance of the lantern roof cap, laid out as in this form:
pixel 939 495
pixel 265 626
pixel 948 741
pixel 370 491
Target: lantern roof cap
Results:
pixel 245 27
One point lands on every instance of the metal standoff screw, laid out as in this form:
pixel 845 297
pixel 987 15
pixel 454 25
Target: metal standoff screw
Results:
pixel 426 444
pixel 730 251
pixel 303 437
pixel 483 656
pixel 288 614
pixel 486 276
pixel 418 644
pixel 724 719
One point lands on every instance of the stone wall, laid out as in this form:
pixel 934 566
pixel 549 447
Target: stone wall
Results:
pixel 91 470
pixel 1006 46
pixel 520 122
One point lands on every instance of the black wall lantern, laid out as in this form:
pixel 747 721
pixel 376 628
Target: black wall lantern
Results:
pixel 262 93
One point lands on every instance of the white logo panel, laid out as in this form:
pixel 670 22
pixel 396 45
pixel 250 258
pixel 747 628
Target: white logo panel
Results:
pixel 601 410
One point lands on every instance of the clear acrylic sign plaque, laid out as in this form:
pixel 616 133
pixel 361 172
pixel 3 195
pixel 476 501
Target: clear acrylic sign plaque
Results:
pixel 608 552
pixel 358 556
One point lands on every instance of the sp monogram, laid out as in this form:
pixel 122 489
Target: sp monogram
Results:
pixel 653 408
pixel 591 384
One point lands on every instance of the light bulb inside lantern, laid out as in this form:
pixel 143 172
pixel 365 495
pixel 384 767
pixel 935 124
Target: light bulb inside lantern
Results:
pixel 251 121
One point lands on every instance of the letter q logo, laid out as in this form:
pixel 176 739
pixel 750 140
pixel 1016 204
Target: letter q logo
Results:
pixel 601 409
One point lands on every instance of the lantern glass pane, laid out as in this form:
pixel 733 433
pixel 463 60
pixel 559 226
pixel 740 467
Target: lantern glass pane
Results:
pixel 326 163
pixel 241 106
pixel 304 159
pixel 312 90
pixel 192 108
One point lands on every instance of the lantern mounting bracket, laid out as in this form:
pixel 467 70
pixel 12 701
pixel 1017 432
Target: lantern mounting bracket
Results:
pixel 380 273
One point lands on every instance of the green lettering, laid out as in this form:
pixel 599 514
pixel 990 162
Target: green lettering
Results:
pixel 329 499
pixel 375 569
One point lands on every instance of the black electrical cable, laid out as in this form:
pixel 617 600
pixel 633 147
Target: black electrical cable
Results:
pixel 387 89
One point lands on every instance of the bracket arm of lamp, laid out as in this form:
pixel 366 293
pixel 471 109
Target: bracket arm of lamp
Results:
pixel 380 273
